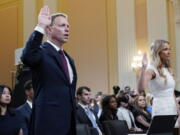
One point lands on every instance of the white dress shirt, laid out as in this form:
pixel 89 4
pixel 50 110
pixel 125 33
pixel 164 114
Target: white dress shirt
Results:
pixel 29 103
pixel 124 114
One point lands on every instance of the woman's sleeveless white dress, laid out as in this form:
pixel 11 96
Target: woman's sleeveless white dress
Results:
pixel 163 93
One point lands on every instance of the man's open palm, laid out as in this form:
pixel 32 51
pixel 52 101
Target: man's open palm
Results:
pixel 44 18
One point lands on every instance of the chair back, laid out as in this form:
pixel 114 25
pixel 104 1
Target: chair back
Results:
pixel 115 127
pixel 82 129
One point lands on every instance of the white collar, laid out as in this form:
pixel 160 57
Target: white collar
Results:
pixel 29 103
pixel 83 106
pixel 54 45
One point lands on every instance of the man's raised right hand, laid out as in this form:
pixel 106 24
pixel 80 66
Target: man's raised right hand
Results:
pixel 44 18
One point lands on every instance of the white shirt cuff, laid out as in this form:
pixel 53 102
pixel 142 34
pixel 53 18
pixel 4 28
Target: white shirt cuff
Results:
pixel 40 29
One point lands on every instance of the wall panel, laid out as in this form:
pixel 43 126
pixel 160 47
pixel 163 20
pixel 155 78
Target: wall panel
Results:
pixel 11 37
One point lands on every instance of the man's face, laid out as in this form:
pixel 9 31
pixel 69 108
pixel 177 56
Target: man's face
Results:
pixel 30 93
pixel 127 89
pixel 59 31
pixel 85 97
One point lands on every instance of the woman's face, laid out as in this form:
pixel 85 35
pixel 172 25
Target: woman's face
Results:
pixel 165 52
pixel 141 102
pixel 6 96
pixel 113 103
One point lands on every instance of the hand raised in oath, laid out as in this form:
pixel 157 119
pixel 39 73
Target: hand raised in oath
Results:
pixel 44 18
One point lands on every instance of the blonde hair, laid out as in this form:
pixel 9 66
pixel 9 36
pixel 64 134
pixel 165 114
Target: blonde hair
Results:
pixel 155 48
pixel 136 102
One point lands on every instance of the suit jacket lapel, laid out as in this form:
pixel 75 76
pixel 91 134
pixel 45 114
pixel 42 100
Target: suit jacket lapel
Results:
pixel 28 111
pixel 28 108
pixel 52 51
pixel 84 114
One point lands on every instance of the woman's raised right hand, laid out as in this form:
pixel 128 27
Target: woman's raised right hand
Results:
pixel 144 61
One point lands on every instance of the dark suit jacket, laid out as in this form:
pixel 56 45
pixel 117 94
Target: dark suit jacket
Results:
pixel 82 118
pixel 24 114
pixel 54 100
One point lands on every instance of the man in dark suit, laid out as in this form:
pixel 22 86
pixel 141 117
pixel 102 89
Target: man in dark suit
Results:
pixel 53 75
pixel 84 114
pixel 24 111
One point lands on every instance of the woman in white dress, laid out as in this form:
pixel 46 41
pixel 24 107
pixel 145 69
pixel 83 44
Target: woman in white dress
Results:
pixel 159 79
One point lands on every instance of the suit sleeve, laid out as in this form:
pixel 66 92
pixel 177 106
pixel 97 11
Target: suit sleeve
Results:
pixel 23 120
pixel 32 53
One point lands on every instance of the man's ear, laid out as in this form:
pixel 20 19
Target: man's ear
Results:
pixel 78 97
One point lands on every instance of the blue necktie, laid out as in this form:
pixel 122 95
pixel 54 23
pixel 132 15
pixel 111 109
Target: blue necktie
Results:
pixel 90 116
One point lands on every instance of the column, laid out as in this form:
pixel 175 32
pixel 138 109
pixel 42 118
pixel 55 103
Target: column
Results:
pixel 126 42
pixel 157 20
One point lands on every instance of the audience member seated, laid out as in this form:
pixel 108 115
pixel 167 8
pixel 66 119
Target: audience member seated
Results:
pixel 120 94
pixel 127 89
pixel 24 111
pixel 142 116
pixel 109 108
pixel 23 74
pixel 9 122
pixel 84 114
pixel 124 113
pixel 116 90
pixel 98 97
pixel 94 106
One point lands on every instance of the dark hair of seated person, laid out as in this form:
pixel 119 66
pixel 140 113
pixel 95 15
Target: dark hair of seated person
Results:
pixel 109 108
pixel 116 89
pixel 10 111
pixel 10 124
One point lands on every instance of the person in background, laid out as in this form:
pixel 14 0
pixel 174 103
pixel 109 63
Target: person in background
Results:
pixel 142 116
pixel 109 108
pixel 98 97
pixel 9 122
pixel 93 105
pixel 116 89
pixel 24 111
pixel 127 89
pixel 84 114
pixel 124 113
pixel 120 94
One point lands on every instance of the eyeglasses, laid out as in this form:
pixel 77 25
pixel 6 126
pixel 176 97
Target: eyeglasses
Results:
pixel 133 96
